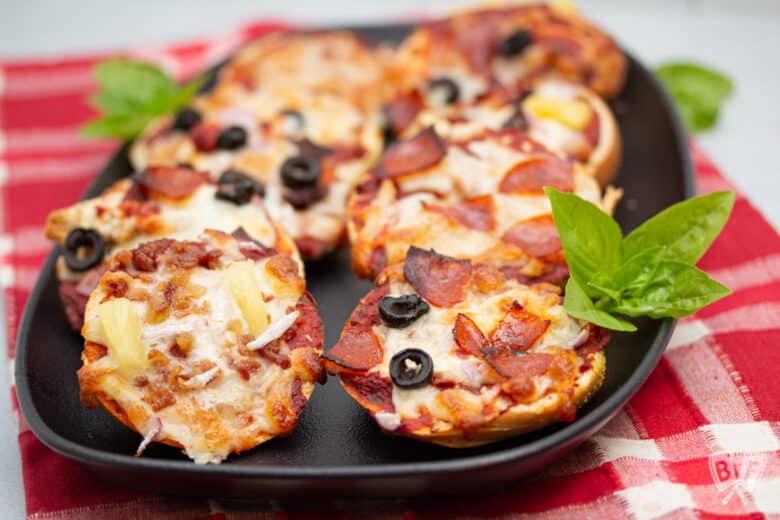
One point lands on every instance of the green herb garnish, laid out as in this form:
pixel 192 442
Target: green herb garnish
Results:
pixel 131 94
pixel 698 92
pixel 649 272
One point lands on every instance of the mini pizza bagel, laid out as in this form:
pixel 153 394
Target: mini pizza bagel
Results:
pixel 565 117
pixel 452 352
pixel 209 345
pixel 467 192
pixel 472 52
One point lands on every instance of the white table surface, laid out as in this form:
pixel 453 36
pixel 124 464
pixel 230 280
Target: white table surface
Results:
pixel 741 38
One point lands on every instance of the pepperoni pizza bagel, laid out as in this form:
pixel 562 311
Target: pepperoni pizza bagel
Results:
pixel 468 54
pixel 172 202
pixel 563 116
pixel 468 192
pixel 210 345
pixel 453 352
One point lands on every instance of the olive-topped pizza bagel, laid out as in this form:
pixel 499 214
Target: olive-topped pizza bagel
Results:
pixel 563 116
pixel 471 53
pixel 304 185
pixel 207 345
pixel 453 352
pixel 468 192
pixel 173 202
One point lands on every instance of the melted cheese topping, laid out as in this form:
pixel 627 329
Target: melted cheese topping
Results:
pixel 213 419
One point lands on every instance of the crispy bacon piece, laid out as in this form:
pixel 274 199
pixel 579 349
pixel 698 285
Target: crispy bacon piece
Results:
pixel 520 365
pixel 537 236
pixel 373 391
pixel 532 175
pixel 476 213
pixel 401 112
pixel 249 247
pixel 518 330
pixel 173 182
pixel 412 155
pixel 440 279
pixel 358 349
pixel 468 337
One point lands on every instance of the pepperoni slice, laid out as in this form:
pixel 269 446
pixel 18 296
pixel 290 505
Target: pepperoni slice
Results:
pixel 373 391
pixel 518 330
pixel 308 148
pixel 306 331
pixel 531 176
pixel 367 311
pixel 439 279
pixel 598 338
pixel 204 136
pixel 401 112
pixel 357 350
pixel 520 365
pixel 170 181
pixel 592 131
pixel 311 247
pixel 476 213
pixel 537 237
pixel 477 44
pixel 412 155
pixel 468 337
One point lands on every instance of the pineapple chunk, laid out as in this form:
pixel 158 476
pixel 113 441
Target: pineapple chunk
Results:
pixel 122 330
pixel 241 282
pixel 564 7
pixel 573 113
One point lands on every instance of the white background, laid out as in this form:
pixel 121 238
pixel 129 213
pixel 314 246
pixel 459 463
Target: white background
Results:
pixel 740 38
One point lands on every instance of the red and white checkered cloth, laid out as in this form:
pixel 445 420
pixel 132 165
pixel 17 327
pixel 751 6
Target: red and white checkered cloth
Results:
pixel 701 439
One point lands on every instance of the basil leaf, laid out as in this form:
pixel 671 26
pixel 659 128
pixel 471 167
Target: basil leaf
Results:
pixel 123 126
pixel 577 303
pixel 591 239
pixel 131 95
pixel 697 91
pixel 131 86
pixel 686 229
pixel 677 290
pixel 632 276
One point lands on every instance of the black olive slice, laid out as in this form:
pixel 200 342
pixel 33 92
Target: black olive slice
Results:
pixel 400 311
pixel 302 198
pixel 411 368
pixel 446 88
pixel 300 172
pixel 237 187
pixel 515 43
pixel 90 243
pixel 231 138
pixel 186 118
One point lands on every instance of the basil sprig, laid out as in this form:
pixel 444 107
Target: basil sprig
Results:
pixel 131 94
pixel 698 92
pixel 649 272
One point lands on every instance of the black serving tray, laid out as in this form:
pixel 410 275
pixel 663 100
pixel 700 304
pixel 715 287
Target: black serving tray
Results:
pixel 337 450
